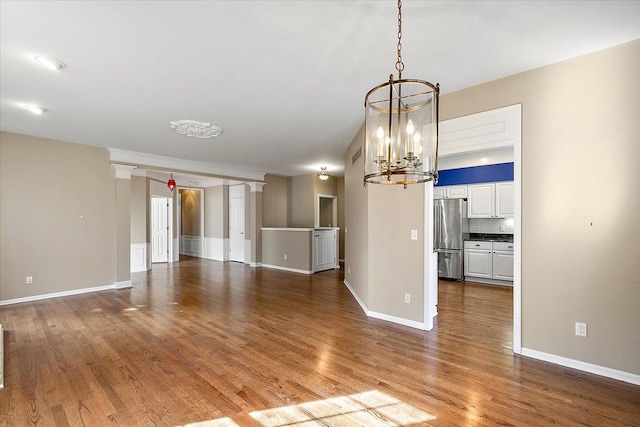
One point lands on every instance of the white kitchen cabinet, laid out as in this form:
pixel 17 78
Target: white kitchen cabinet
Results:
pixel 503 261
pixel 450 192
pixel 478 259
pixel 505 193
pixel 490 200
pixel 489 260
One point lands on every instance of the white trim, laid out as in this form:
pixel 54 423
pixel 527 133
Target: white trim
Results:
pixel 382 316
pixel 292 270
pixel 487 130
pixel 1 357
pixel 287 229
pixel 123 171
pixel 496 282
pixel 139 257
pixel 255 264
pixel 58 294
pixel 256 187
pixel 191 245
pixel 146 159
pixel 123 285
pixel 583 366
pixel 517 233
pixel 216 248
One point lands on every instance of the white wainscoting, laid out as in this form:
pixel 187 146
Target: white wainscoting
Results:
pixel 191 245
pixel 216 248
pixel 140 253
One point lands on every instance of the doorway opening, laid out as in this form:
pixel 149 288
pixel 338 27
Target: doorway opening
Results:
pixel 327 215
pixel 191 221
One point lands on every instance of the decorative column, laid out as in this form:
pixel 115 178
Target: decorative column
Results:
pixel 255 221
pixel 123 225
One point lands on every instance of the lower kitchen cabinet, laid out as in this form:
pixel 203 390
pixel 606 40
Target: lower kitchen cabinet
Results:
pixel 492 261
pixel 478 259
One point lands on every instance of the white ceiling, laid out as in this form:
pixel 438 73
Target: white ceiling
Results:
pixel 286 80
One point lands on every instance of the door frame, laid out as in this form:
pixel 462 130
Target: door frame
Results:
pixel 158 189
pixel 179 217
pixel 334 206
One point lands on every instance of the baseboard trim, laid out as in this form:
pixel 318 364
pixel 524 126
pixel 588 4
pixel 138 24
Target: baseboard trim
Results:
pixel 255 264
pixel 123 285
pixel 382 316
pixel 292 270
pixel 583 366
pixel 60 294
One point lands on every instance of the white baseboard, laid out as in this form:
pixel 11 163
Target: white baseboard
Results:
pixel 61 294
pixel 255 264
pixel 292 270
pixel 123 285
pixel 385 317
pixel 583 366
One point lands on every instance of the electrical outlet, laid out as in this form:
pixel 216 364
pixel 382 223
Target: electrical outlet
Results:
pixel 285 256
pixel 29 280
pixel 407 298
pixel 581 329
pixel 348 270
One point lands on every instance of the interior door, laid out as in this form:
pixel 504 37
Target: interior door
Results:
pixel 324 242
pixel 236 223
pixel 159 229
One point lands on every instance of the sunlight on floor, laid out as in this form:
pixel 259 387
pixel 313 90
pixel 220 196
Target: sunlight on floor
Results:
pixel 371 409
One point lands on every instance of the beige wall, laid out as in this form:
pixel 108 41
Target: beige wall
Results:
pixel 340 194
pixel 140 207
pixel 47 186
pixel 580 204
pixel 190 212
pixel 580 201
pixel 275 201
pixel 356 223
pixel 303 200
pixel 296 245
pixel 216 210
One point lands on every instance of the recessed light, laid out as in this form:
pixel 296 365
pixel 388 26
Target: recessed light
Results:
pixel 195 128
pixel 35 109
pixel 51 63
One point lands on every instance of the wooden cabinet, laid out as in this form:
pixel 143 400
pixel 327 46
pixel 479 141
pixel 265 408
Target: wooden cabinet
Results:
pixel 488 260
pixel 491 200
pixel 450 192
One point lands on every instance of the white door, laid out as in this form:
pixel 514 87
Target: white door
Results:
pixel 478 263
pixel 503 265
pixel 159 229
pixel 236 223
pixel 324 245
pixel 481 200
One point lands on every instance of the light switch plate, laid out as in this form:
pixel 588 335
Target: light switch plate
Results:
pixel 414 234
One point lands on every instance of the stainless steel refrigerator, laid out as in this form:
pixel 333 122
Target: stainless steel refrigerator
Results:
pixel 450 230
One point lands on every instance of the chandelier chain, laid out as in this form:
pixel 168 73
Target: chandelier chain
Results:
pixel 399 63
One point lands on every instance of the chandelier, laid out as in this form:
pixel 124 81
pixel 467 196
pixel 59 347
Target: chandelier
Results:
pixel 401 128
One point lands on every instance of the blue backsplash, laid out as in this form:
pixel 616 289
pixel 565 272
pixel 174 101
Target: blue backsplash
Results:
pixel 476 174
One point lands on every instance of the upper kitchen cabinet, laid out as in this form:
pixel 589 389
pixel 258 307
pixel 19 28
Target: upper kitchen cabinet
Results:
pixel 491 200
pixel 450 192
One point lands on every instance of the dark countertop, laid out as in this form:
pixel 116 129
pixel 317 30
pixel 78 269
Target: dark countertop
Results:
pixel 480 237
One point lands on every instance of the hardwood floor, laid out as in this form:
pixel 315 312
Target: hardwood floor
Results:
pixel 202 340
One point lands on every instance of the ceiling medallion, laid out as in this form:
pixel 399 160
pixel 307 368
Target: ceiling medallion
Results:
pixel 195 128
